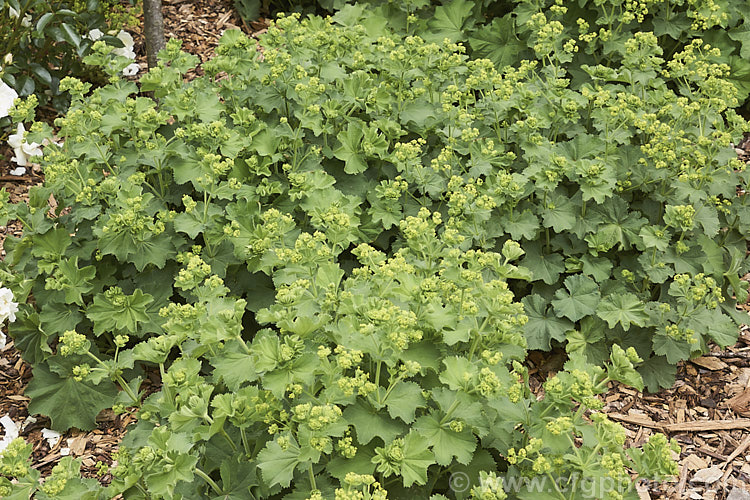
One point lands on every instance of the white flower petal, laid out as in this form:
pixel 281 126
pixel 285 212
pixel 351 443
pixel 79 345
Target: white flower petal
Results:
pixel 19 158
pixel 126 39
pixel 131 69
pixel 29 420
pixel 32 149
pixel 64 452
pixel 16 139
pixel 124 52
pixel 11 429
pixel 95 34
pixel 7 96
pixel 12 12
pixel 52 437
pixel 22 149
pixel 8 308
pixel 3 341
pixel 18 171
pixel 26 21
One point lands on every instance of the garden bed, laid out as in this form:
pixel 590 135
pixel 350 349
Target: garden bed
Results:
pixel 703 410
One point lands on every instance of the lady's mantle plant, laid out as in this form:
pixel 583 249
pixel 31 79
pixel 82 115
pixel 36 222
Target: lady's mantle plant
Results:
pixel 352 389
pixel 341 218
pixel 505 31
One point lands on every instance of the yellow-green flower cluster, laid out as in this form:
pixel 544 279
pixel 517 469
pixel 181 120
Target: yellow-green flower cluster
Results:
pixel 421 226
pixel 194 270
pixel 681 334
pixel 547 34
pixel 635 10
pixel 132 219
pixel 359 383
pixel 518 456
pixel 490 487
pixel 392 190
pixel 706 14
pixel 488 383
pixel 308 247
pixel 560 425
pixel 72 342
pixel 292 293
pixel 607 430
pixel 80 372
pixel 55 483
pixel 76 87
pixel 358 487
pixel 681 217
pixel 14 459
pixel 345 446
pixel 642 51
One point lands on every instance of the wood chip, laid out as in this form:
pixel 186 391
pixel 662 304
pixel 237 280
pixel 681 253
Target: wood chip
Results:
pixel 707 476
pixel 706 425
pixel 711 453
pixel 77 445
pixel 642 491
pixel 737 452
pixel 740 404
pixel 739 493
pixel 682 482
pixel 640 420
pixel 694 462
pixel 709 363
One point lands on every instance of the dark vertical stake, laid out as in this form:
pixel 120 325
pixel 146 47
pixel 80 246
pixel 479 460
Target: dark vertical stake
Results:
pixel 154 30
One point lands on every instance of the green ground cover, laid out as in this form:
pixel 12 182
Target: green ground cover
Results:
pixel 338 251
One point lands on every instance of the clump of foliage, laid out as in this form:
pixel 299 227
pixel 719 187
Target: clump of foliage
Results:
pixel 350 390
pixel 504 31
pixel 322 248
pixel 42 42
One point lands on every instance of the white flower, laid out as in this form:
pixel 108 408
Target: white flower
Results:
pixel 18 171
pixel 95 34
pixel 29 420
pixel 25 22
pixel 7 96
pixel 22 148
pixel 127 41
pixel 131 69
pixel 11 431
pixel 8 308
pixel 8 59
pixel 52 437
pixel 64 452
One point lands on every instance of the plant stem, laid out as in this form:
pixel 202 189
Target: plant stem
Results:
pixel 377 380
pixel 245 444
pixel 311 473
pixel 449 412
pixel 209 481
pixel 126 388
